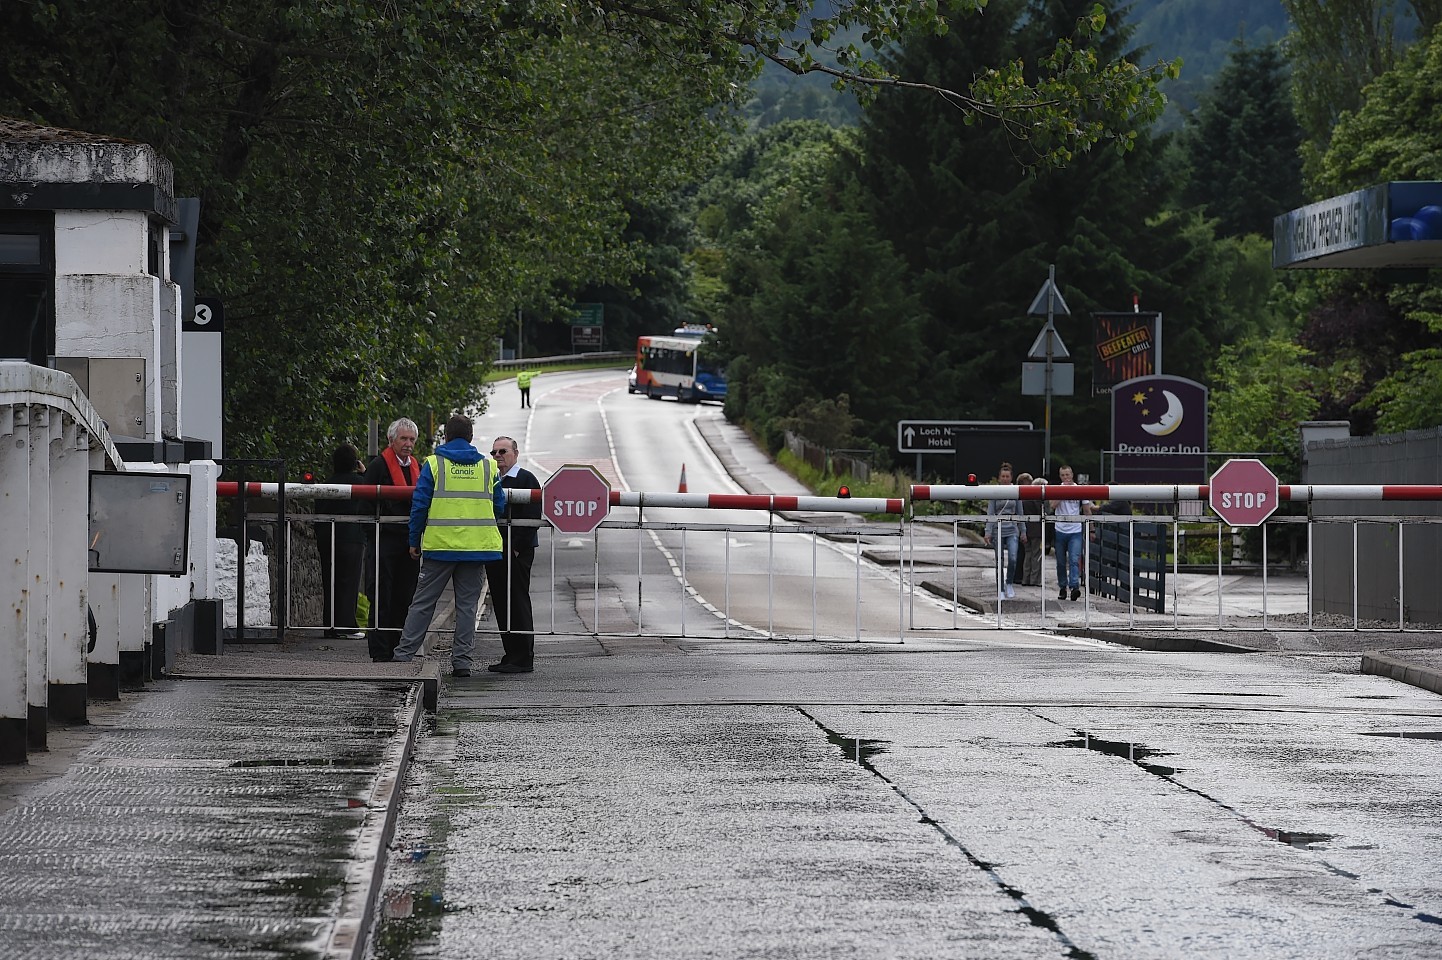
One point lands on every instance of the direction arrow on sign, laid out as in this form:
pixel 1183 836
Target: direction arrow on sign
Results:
pixel 940 436
pixel 577 498
pixel 1243 493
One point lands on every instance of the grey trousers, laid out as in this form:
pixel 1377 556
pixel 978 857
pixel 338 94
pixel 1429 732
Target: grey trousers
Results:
pixel 468 576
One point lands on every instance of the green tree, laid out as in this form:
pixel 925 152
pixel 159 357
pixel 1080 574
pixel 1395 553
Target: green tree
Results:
pixel 1337 48
pixel 657 296
pixel 1409 396
pixel 826 422
pixel 1203 36
pixel 382 185
pixel 977 239
pixel 1376 337
pixel 1261 390
pixel 818 308
pixel 1241 145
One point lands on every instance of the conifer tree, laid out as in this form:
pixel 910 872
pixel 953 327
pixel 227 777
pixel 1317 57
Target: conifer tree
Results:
pixel 1241 145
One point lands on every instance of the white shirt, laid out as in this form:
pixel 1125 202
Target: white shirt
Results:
pixel 1068 514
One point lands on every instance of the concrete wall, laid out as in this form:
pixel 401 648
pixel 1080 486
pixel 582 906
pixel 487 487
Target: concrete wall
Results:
pixel 117 327
pixel 84 159
pixel 107 305
pixel 1394 565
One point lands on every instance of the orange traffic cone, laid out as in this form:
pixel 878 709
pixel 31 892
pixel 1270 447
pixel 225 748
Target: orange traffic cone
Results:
pixel 681 488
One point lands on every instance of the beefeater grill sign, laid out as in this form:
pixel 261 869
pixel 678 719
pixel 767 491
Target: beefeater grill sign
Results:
pixel 1125 348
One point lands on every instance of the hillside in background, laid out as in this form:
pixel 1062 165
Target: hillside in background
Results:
pixel 1201 32
pixel 781 95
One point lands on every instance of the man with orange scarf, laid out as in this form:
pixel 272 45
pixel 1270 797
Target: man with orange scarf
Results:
pixel 396 568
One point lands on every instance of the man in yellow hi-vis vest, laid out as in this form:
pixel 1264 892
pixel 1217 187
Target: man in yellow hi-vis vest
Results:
pixel 453 533
pixel 523 380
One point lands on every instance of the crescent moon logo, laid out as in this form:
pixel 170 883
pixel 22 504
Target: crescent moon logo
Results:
pixel 1169 420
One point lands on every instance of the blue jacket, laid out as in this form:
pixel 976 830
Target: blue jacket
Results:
pixel 459 451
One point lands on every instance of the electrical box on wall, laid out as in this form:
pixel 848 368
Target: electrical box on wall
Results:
pixel 116 389
pixel 139 522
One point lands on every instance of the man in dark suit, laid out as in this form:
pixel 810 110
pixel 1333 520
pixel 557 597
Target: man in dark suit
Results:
pixel 397 467
pixel 510 577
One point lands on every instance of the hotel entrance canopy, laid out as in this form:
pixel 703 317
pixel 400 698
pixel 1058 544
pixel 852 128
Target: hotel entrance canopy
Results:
pixel 1397 224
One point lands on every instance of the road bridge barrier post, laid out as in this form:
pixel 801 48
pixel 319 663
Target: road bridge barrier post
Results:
pixel 38 575
pixel 69 564
pixel 14 584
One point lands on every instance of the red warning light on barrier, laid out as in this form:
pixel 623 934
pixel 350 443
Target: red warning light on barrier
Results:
pixel 843 491
pixel 971 479
pixel 307 476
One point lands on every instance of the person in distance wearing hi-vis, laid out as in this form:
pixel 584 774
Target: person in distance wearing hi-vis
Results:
pixel 453 533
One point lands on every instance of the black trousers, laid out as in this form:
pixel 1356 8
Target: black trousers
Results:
pixel 344 566
pixel 511 600
pixel 397 573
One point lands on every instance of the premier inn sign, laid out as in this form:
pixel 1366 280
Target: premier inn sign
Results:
pixel 1396 224
pixel 1159 430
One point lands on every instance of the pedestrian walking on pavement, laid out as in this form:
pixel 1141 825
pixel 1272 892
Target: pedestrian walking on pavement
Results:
pixel 1005 532
pixel 1068 529
pixel 510 577
pixel 1031 554
pixel 453 533
pixel 397 467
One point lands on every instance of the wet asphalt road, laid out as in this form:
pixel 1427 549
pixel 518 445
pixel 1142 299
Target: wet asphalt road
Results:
pixel 208 819
pixel 743 799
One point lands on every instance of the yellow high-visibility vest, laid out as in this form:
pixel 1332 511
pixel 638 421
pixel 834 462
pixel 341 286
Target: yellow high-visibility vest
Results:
pixel 462 516
pixel 523 379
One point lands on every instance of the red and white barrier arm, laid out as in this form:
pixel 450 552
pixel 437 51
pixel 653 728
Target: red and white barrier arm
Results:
pixel 1154 492
pixel 1359 491
pixel 1168 493
pixel 738 501
pixel 619 498
pixel 329 491
pixel 757 501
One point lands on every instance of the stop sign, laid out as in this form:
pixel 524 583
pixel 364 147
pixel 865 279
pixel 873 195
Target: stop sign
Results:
pixel 577 498
pixel 1243 493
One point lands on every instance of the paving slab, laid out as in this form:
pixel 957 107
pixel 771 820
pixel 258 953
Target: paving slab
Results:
pixel 227 818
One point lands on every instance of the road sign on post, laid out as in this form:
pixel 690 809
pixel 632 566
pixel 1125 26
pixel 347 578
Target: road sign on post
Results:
pixel 1243 493
pixel 1047 348
pixel 942 436
pixel 576 498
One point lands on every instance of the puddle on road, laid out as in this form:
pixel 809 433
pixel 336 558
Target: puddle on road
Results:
pixel 407 904
pixel 1294 838
pixel 1407 734
pixel 857 749
pixel 409 924
pixel 1134 752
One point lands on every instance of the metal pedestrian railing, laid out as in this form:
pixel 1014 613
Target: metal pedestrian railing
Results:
pixel 801 574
